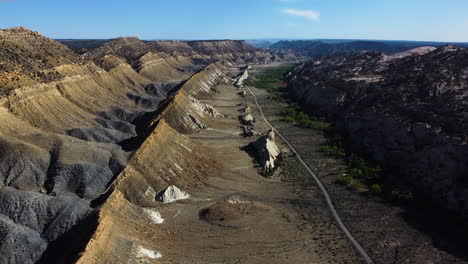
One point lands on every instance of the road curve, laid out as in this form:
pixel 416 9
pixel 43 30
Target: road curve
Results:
pixel 332 208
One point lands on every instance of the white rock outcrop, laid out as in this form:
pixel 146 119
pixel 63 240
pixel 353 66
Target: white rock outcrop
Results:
pixel 247 119
pixel 239 82
pixel 147 253
pixel 154 216
pixel 267 152
pixel 205 109
pixel 246 109
pixel 171 194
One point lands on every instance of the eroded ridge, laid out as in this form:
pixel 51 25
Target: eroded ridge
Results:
pixel 166 157
pixel 69 128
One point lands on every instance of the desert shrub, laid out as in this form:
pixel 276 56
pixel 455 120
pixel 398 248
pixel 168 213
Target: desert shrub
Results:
pixel 362 169
pixel 345 180
pixel 334 151
pixel 399 196
pixel 375 188
pixel 293 114
pixel 356 173
pixel 348 180
pixel 357 185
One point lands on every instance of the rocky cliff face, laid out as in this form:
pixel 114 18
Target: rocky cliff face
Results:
pixel 407 111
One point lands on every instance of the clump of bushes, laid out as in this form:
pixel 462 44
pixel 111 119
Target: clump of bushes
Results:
pixel 399 196
pixel 334 151
pixel 348 180
pixel 361 169
pixel 375 188
pixel 293 114
pixel 270 77
pixel 345 180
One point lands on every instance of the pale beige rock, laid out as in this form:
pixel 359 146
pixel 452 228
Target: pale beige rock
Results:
pixel 172 194
pixel 239 82
pixel 267 152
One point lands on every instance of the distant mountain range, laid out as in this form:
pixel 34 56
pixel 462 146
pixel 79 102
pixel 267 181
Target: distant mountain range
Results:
pixel 319 47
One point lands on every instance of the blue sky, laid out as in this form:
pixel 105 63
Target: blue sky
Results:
pixel 436 20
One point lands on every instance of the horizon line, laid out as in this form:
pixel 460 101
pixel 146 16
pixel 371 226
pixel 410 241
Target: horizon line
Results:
pixel 264 39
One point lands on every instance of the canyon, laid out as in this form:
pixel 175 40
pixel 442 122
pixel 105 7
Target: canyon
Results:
pixel 132 151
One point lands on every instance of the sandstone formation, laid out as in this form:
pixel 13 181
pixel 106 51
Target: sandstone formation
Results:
pixel 239 82
pixel 267 152
pixel 171 194
pixel 248 119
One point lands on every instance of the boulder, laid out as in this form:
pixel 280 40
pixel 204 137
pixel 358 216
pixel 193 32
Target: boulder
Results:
pixel 239 82
pixel 267 152
pixel 171 194
pixel 154 216
pixel 248 119
pixel 248 131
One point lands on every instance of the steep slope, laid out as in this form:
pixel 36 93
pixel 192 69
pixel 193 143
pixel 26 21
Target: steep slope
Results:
pixel 129 48
pixel 151 61
pixel 172 47
pixel 161 66
pixel 202 52
pixel 235 50
pixel 27 57
pixel 183 162
pixel 402 112
pixel 62 141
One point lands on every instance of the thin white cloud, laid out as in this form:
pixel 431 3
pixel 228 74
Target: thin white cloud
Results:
pixel 307 14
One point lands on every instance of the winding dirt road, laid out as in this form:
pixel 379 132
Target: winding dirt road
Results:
pixel 337 217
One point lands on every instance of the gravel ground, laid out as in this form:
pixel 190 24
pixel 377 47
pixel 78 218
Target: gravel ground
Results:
pixel 389 233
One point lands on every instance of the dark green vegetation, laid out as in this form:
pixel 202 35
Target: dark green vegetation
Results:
pixel 358 173
pixel 273 79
